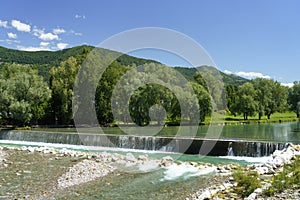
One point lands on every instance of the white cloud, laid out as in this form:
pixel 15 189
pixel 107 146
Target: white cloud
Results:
pixel 8 41
pixel 288 84
pixel 48 36
pixel 227 71
pixel 62 45
pixel 12 35
pixel 80 16
pixel 3 24
pixel 37 32
pixel 57 31
pixel 252 75
pixel 30 48
pixel 44 44
pixel 75 33
pixel 249 75
pixel 20 26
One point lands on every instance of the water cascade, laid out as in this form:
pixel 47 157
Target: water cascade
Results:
pixel 165 144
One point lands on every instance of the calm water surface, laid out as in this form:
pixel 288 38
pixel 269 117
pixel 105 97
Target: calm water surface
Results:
pixel 277 132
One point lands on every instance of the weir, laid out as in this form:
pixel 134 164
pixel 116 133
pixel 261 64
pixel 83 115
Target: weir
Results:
pixel 209 147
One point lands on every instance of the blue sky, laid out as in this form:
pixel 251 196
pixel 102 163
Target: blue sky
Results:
pixel 249 38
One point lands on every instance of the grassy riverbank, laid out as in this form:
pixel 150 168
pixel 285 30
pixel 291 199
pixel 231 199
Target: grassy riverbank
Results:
pixel 230 119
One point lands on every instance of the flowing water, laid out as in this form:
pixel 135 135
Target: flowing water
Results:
pixel 33 175
pixel 254 140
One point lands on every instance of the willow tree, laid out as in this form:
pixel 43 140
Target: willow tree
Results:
pixel 245 102
pixel 62 80
pixel 294 98
pixel 270 95
pixel 24 94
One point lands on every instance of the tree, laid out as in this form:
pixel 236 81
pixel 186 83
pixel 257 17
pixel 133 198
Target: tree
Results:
pixel 279 99
pixel 204 100
pixel 294 98
pixel 24 94
pixel 245 102
pixel 103 97
pixel 62 81
pixel 271 96
pixel 231 97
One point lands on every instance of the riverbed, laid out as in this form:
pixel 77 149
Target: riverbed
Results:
pixel 29 174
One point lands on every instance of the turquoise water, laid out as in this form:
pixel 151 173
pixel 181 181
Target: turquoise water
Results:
pixel 277 132
pixel 124 184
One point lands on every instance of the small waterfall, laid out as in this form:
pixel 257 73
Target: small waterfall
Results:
pixel 181 145
pixel 230 150
pixel 254 149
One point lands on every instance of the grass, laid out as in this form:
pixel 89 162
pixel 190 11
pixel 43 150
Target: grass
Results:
pixel 289 178
pixel 247 182
pixel 220 118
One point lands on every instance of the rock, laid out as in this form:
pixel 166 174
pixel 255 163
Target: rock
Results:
pixel 82 172
pixel 251 196
pixel 130 157
pixel 258 190
pixel 143 157
pixel 166 161
pixel 205 195
pixel 262 170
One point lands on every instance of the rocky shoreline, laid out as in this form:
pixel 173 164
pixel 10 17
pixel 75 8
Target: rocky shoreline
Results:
pixel 90 166
pixel 226 190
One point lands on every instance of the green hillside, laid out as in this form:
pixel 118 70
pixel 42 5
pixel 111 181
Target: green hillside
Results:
pixel 44 60
pixel 228 79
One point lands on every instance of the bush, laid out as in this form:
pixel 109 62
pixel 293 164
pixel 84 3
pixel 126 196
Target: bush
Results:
pixel 247 182
pixel 288 178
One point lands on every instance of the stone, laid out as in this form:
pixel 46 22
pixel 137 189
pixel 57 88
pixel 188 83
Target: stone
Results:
pixel 143 157
pixel 252 196
pixel 130 157
pixel 166 161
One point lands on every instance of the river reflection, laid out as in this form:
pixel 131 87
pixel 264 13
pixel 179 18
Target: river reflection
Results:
pixel 276 132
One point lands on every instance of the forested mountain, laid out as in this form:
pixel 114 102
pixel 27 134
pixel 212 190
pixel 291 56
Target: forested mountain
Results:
pixel 38 88
pixel 44 60
pixel 228 79
pixel 56 57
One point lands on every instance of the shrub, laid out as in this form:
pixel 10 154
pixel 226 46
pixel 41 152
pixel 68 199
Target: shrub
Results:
pixel 247 182
pixel 288 178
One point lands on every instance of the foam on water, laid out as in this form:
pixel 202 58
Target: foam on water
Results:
pixel 77 147
pixel 248 159
pixel 184 171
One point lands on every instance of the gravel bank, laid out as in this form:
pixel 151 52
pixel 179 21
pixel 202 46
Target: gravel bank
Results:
pixel 226 190
pixel 2 157
pixel 82 172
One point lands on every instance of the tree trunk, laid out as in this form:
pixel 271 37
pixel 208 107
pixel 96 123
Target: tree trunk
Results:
pixel 259 116
pixel 269 116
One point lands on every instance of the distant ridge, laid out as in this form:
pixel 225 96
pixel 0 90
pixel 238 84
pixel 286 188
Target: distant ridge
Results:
pixel 44 60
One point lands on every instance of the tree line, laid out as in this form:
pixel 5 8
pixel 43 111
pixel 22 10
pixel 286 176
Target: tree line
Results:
pixel 26 98
pixel 263 97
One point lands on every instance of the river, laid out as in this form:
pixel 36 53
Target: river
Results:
pixel 254 140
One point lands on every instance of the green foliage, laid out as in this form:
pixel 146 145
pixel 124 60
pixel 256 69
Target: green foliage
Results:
pixel 288 178
pixel 261 96
pixel 103 97
pixel 294 98
pixel 270 95
pixel 247 182
pixel 24 94
pixel 59 69
pixel 40 57
pixel 61 84
pixel 245 102
pixel 228 79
